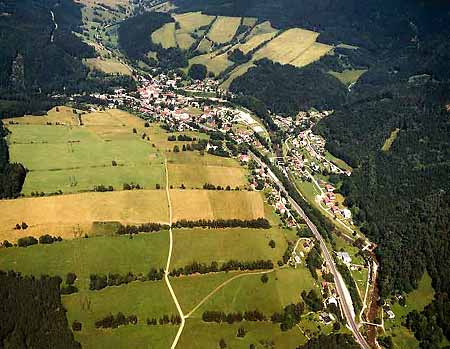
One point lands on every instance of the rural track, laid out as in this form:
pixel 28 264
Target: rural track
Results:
pixel 169 257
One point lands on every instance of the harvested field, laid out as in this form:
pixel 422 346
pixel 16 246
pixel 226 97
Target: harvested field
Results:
pixel 194 176
pixel 256 40
pixel 165 36
pixel 223 29
pixel 204 204
pixel 72 215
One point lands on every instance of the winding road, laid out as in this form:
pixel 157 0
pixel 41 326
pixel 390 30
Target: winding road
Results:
pixel 341 288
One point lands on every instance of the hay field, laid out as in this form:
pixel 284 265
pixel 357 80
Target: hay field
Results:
pixel 194 176
pixel 223 29
pixel 204 204
pixel 205 45
pixel 312 54
pixel 107 65
pixel 348 76
pixel 249 21
pixel 256 40
pixel 165 36
pixel 69 215
pixel 288 47
pixel 191 21
pixel 82 156
pixel 263 28
pixel 215 63
pixel 184 40
pixel 189 158
pixel 221 245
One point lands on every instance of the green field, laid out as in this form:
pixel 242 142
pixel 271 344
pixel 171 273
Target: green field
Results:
pixel 388 143
pixel 165 36
pixel 221 245
pixel 74 159
pixel 348 76
pixel 200 335
pixel 89 256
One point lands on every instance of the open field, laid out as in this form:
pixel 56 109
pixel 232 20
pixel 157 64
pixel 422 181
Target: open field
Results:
pixel 294 46
pixel 143 299
pixel 107 65
pixel 189 158
pixel 388 143
pixel 255 40
pixel 223 29
pixel 215 63
pixel 205 204
pixel 249 293
pixel 221 245
pixel 348 77
pixel 103 254
pixel 199 335
pixel 191 21
pixel 68 215
pixel 165 36
pixel 82 156
pixel 194 176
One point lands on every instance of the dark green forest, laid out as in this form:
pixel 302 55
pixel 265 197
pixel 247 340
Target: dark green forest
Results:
pixel 333 341
pixel 32 315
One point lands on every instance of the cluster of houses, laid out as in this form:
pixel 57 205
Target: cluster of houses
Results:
pixel 329 200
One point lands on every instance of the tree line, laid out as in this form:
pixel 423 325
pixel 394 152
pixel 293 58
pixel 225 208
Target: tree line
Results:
pixel 164 320
pixel 98 281
pixel 258 223
pixel 31 240
pixel 202 268
pixel 142 228
pixel 111 321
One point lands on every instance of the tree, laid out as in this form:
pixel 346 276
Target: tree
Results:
pixel 176 149
pixel 264 278
pixel 197 72
pixel 76 326
pixel 241 332
pixel 222 344
pixel 70 278
pixel 272 243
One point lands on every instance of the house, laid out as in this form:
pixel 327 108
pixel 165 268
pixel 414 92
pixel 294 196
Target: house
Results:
pixel 329 188
pixel 297 260
pixel 335 210
pixel 244 158
pixel 345 257
pixel 347 213
pixel 390 314
pixel 333 300
pixel 327 201
pixel 325 317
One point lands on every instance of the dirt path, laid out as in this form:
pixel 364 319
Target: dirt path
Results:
pixel 166 274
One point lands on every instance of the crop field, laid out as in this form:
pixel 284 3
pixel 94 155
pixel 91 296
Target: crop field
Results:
pixel 95 255
pixel 102 151
pixel 108 66
pixel 199 335
pixel 165 36
pixel 70 215
pixel 224 29
pixel 204 204
pixel 294 46
pixel 194 176
pixel 221 245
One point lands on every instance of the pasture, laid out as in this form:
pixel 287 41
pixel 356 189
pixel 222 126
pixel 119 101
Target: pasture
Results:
pixel 104 150
pixel 205 204
pixel 198 335
pixel 73 215
pixel 192 21
pixel 224 29
pixel 94 255
pixel 215 63
pixel 221 245
pixel 165 36
pixel 107 65
pixel 348 76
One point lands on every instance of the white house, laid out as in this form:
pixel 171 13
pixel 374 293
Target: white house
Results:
pixel 345 257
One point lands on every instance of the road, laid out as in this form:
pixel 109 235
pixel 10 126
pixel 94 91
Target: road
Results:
pixel 167 271
pixel 52 38
pixel 341 288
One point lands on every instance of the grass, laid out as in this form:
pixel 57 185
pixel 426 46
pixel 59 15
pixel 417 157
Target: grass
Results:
pixel 188 158
pixel 100 255
pixel 388 143
pixel 191 21
pixel 195 175
pixel 199 335
pixel 249 293
pixel 341 244
pixel 204 204
pixel 82 156
pixel 338 162
pixel 165 36
pixel 107 65
pixel 416 300
pixel 67 215
pixel 213 62
pixel 143 299
pixel 223 29
pixel 348 76
pixel 221 245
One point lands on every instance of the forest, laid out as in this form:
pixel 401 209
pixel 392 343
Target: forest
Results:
pixel 32 313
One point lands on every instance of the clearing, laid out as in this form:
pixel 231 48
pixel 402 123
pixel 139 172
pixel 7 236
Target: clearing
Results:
pixel 388 143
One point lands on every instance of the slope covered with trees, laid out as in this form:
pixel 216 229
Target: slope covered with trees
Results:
pixel 32 313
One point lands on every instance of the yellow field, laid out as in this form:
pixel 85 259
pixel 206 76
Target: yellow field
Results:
pixel 215 64
pixel 263 28
pixel 240 70
pixel 184 40
pixel 165 36
pixel 255 40
pixel 224 29
pixel 294 46
pixel 63 215
pixel 204 204
pixel 249 21
pixel 191 21
pixel 194 176
pixel 106 65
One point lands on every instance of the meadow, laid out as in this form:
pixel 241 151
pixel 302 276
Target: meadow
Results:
pixel 224 29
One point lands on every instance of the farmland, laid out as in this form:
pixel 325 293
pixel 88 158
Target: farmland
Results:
pixel 165 36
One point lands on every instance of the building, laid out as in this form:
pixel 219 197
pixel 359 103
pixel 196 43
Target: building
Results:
pixel 345 257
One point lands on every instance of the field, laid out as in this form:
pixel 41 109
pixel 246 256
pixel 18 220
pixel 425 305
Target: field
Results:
pixel 165 36
pixel 82 156
pixel 95 255
pixel 107 65
pixel 224 29
pixel 221 245
pixel 193 176
pixel 348 77
pixel 216 63
pixel 204 204
pixel 189 24
pixel 388 143
pixel 73 215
